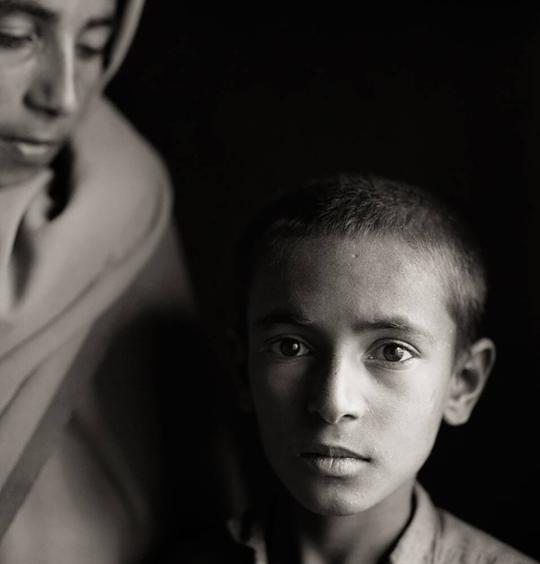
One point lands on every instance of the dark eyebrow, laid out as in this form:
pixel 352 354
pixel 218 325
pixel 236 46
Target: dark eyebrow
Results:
pixel 37 11
pixel 291 317
pixel 27 7
pixel 282 317
pixel 399 324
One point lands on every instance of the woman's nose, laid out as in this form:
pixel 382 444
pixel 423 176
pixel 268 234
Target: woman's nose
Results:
pixel 337 394
pixel 53 89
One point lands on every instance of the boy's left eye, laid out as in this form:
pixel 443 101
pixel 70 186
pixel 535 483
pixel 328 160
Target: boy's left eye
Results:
pixel 392 352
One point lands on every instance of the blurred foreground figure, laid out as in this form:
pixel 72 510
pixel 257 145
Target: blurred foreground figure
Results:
pixel 87 258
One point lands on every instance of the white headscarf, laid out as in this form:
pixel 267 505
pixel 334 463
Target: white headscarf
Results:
pixel 57 276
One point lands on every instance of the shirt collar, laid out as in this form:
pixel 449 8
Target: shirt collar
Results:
pixel 416 544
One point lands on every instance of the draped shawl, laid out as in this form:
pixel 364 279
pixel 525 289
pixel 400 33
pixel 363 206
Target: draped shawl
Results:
pixel 59 273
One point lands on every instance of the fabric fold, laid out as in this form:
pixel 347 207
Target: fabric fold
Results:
pixel 79 262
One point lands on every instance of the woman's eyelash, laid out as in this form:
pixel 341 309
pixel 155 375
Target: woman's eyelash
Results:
pixel 87 52
pixel 10 41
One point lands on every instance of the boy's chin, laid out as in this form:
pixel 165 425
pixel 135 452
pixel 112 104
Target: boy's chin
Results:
pixel 334 501
pixel 341 498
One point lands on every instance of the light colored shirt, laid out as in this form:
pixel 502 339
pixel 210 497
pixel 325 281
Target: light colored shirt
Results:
pixel 433 536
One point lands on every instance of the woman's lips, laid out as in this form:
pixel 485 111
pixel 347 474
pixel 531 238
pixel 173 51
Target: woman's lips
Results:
pixel 32 151
pixel 333 461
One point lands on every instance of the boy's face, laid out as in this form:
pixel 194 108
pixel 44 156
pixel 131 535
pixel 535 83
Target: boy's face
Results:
pixel 351 353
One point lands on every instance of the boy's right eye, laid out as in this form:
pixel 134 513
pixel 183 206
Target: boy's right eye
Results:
pixel 289 347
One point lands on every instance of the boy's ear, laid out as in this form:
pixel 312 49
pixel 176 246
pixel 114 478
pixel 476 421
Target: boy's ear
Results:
pixel 238 367
pixel 468 381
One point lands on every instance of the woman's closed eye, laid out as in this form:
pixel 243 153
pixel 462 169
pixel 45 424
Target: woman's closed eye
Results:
pixel 94 43
pixel 16 32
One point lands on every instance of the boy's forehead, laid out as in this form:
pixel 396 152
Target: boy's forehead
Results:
pixel 363 277
pixel 364 258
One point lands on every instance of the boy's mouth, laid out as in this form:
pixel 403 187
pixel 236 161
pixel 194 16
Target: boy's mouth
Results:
pixel 333 461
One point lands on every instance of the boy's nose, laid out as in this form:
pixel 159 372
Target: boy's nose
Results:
pixel 336 395
pixel 53 89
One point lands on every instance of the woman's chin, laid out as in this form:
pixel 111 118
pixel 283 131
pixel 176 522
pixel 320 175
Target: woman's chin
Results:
pixel 20 175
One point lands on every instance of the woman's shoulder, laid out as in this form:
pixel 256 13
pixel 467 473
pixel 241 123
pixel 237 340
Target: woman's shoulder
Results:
pixel 105 135
pixel 119 180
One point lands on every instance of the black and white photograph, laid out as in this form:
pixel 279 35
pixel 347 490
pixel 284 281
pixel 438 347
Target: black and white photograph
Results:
pixel 268 283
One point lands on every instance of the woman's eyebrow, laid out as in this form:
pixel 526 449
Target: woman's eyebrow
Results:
pixel 36 10
pixel 101 21
pixel 27 7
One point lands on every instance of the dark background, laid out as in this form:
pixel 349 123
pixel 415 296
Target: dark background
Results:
pixel 243 104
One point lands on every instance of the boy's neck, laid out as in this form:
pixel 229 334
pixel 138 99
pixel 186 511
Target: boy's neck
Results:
pixel 363 538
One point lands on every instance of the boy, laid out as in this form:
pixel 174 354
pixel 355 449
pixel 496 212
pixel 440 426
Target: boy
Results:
pixel 361 306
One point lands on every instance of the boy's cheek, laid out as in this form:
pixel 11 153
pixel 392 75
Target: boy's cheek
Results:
pixel 273 400
pixel 411 437
pixel 276 381
pixel 405 420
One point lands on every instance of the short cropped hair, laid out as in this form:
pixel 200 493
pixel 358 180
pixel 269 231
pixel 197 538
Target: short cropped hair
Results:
pixel 353 206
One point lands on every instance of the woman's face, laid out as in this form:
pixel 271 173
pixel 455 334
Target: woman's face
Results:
pixel 51 62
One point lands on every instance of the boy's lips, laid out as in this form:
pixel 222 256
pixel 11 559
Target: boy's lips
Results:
pixel 333 460
pixel 334 451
